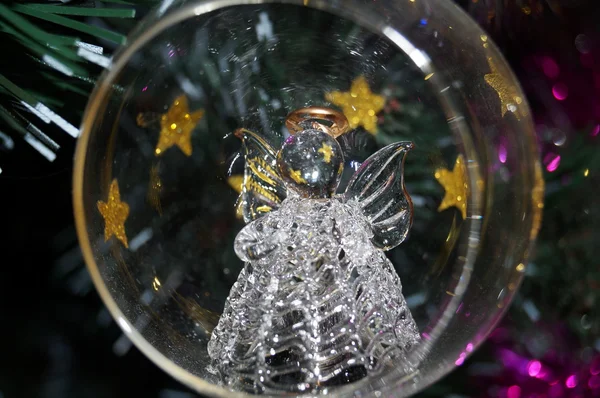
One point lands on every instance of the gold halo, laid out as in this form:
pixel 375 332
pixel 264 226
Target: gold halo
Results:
pixel 296 121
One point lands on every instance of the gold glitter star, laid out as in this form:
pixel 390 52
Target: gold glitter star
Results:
pixel 114 213
pixel 455 185
pixel 327 151
pixel 176 127
pixel 296 176
pixel 508 93
pixel 359 105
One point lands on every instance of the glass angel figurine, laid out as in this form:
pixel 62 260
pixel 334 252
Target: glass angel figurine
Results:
pixel 317 304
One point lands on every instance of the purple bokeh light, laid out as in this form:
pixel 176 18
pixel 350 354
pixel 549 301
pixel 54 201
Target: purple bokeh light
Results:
pixel 560 91
pixel 550 67
pixel 594 382
pixel 553 163
pixel 513 392
pixel 461 359
pixel 533 368
pixel 502 153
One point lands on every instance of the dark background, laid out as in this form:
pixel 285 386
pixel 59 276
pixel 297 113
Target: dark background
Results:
pixel 57 340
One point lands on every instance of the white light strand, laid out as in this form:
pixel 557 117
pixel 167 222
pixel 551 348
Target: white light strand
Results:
pixel 44 138
pixel 46 114
pixel 94 57
pixel 40 147
pixel 90 47
pixel 56 64
pixel 39 114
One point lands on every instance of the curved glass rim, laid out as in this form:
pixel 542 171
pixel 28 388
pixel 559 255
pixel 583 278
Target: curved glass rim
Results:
pixel 200 7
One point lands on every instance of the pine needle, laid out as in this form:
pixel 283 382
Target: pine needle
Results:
pixel 84 11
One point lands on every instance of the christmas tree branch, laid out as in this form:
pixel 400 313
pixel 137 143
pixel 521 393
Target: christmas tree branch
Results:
pixel 46 46
pixel 69 23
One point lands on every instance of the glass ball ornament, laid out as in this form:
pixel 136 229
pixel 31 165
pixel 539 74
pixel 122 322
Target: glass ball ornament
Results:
pixel 166 184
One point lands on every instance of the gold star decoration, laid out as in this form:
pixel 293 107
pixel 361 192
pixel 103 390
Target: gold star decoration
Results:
pixel 507 92
pixel 455 185
pixel 297 176
pixel 327 151
pixel 114 213
pixel 176 127
pixel 360 105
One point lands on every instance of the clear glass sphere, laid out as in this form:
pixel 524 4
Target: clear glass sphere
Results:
pixel 159 169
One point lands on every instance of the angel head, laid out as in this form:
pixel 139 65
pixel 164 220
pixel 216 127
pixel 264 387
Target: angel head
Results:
pixel 310 160
pixel 311 164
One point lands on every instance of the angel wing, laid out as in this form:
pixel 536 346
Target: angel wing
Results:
pixel 378 187
pixel 263 189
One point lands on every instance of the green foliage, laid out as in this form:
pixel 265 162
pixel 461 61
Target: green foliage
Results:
pixel 60 46
pixel 567 249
